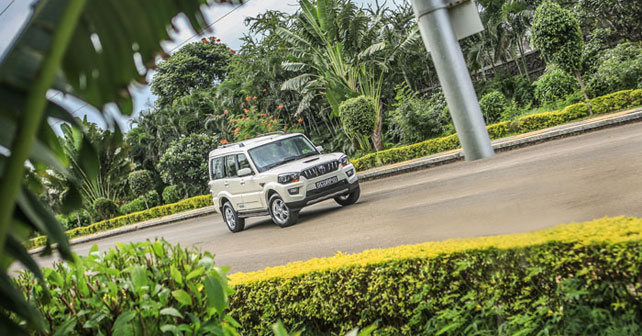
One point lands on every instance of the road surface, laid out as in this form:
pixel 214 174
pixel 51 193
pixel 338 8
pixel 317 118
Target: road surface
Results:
pixel 574 179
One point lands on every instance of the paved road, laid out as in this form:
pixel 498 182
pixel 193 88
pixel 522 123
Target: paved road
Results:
pixel 575 179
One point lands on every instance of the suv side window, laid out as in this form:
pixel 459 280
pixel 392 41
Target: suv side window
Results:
pixel 218 169
pixel 242 161
pixel 230 166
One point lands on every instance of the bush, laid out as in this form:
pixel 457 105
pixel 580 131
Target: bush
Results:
pixel 185 162
pixel 605 104
pixel 150 199
pixel 493 105
pixel 415 118
pixel 554 85
pixel 137 204
pixel 619 68
pixel 576 279
pixel 148 288
pixel 74 220
pixel 136 217
pixel 105 208
pixel 358 116
pixel 173 194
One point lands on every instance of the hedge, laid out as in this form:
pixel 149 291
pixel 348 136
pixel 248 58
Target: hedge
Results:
pixel 604 104
pixel 573 279
pixel 136 217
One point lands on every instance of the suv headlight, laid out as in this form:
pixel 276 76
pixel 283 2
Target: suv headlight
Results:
pixel 344 160
pixel 288 178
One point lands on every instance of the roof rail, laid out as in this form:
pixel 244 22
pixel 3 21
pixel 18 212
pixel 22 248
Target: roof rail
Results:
pixel 271 133
pixel 240 144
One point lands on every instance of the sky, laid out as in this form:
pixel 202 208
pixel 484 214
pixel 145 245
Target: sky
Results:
pixel 229 29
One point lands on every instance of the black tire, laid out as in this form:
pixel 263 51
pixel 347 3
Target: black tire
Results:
pixel 281 214
pixel 350 198
pixel 231 218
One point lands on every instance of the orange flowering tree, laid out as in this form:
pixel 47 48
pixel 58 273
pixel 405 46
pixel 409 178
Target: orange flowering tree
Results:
pixel 252 121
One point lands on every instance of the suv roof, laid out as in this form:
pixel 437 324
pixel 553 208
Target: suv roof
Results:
pixel 251 143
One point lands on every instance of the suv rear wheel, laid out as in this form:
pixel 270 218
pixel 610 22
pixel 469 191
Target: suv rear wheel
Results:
pixel 281 214
pixel 350 198
pixel 231 218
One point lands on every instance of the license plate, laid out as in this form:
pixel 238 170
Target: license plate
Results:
pixel 327 182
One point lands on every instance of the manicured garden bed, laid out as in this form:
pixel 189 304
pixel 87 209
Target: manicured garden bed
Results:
pixel 575 279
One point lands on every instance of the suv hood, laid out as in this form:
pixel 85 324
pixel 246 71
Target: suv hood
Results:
pixel 299 165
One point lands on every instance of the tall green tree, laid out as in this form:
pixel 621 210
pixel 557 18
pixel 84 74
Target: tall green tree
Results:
pixel 556 33
pixel 196 66
pixel 103 60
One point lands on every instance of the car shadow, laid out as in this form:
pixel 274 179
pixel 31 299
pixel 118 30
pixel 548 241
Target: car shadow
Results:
pixel 306 215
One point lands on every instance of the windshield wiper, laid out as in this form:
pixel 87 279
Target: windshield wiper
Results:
pixel 290 159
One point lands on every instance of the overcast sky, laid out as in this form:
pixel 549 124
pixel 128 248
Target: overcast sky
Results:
pixel 229 29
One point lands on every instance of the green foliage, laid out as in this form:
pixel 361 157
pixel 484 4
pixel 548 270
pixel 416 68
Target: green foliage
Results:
pixel 185 162
pixel 559 287
pixel 132 218
pixel 137 204
pixel 604 104
pixel 556 33
pixel 105 208
pixel 173 194
pixel 493 105
pixel 75 219
pixel 140 181
pixel 358 116
pixel 148 288
pixel 619 68
pixel 416 118
pixel 554 85
pixel 198 65
pixel 620 18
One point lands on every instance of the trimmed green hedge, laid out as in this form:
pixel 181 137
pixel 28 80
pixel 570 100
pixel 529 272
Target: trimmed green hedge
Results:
pixel 604 104
pixel 136 217
pixel 577 279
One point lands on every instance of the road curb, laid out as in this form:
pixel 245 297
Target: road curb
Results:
pixel 500 145
pixel 506 144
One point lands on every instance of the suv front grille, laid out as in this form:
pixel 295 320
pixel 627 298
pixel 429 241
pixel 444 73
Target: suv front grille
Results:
pixel 321 169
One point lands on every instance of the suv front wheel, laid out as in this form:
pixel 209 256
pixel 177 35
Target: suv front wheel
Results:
pixel 281 214
pixel 231 218
pixel 350 198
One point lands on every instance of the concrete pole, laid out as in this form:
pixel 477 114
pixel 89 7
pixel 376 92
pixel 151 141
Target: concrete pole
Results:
pixel 440 40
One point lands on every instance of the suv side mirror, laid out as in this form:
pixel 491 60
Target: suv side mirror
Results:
pixel 244 172
pixel 319 149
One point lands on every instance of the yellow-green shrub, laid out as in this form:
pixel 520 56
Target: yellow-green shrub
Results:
pixel 604 104
pixel 132 218
pixel 553 279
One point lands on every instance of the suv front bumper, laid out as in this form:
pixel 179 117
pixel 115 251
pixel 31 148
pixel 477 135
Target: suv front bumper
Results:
pixel 313 196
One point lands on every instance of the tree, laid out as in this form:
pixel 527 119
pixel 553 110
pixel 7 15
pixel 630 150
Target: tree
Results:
pixel 340 53
pixel 140 182
pixel 556 33
pixel 108 180
pixel 359 118
pixel 185 163
pixel 196 66
pixel 98 71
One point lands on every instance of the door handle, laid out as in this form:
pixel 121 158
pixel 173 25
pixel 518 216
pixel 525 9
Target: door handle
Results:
pixel 242 182
pixel 227 184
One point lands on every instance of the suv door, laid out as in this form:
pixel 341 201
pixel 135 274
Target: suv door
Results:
pixel 251 189
pixel 233 183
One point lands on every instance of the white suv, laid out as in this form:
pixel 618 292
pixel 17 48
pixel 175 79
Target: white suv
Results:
pixel 277 174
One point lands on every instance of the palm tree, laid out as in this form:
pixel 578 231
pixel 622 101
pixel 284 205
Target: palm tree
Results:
pixel 340 52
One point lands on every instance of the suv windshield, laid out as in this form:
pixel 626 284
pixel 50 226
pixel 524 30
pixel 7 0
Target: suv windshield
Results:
pixel 279 152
